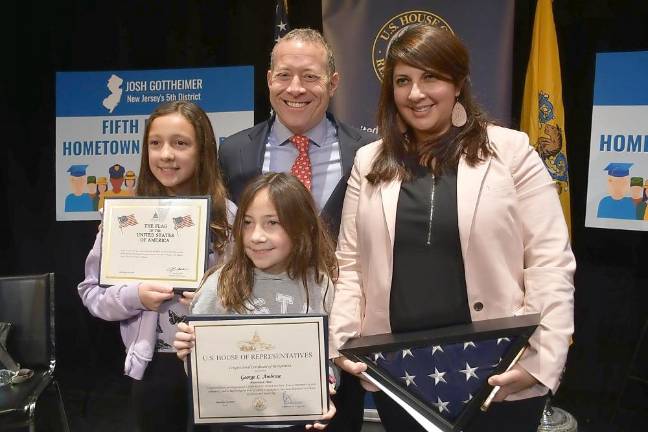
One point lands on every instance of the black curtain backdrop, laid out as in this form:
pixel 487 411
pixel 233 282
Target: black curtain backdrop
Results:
pixel 44 37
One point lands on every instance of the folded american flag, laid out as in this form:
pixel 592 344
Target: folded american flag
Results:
pixel 441 375
pixel 446 376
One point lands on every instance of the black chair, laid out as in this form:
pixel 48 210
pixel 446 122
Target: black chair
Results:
pixel 27 302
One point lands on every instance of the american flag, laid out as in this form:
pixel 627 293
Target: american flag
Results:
pixel 182 222
pixel 281 26
pixel 125 221
pixel 446 377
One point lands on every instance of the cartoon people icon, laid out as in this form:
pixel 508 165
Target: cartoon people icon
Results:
pixel 129 183
pixel 644 203
pixel 636 189
pixel 638 195
pixel 617 205
pixel 116 173
pixel 102 188
pixel 112 100
pixel 78 200
pixel 92 191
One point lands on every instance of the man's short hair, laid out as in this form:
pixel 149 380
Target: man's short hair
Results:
pixel 308 35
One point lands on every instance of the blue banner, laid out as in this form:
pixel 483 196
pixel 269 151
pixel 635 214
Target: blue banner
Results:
pixel 101 117
pixel 632 89
pixel 139 92
pixel 617 186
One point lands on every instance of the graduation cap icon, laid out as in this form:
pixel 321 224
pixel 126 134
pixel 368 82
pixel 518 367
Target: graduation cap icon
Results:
pixel 618 169
pixel 77 170
pixel 441 376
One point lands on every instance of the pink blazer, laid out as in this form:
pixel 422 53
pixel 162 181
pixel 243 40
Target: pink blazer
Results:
pixel 514 242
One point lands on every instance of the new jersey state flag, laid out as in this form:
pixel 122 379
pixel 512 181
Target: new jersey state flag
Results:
pixel 543 115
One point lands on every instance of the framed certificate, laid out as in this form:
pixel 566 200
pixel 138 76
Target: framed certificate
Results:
pixel 440 376
pixel 259 368
pixel 155 239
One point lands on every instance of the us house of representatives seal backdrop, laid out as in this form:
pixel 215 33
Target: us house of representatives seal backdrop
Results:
pixel 389 29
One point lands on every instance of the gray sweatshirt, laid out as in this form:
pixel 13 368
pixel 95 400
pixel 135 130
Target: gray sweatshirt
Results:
pixel 271 294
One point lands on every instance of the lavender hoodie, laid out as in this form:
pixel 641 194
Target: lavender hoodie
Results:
pixel 121 303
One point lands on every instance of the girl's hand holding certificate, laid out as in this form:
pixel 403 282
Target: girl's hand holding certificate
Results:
pixel 184 340
pixel 153 295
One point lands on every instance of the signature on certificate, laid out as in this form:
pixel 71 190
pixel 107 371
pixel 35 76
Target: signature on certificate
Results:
pixel 291 401
pixel 174 269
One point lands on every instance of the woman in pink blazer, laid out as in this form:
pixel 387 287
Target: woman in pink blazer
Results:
pixel 450 219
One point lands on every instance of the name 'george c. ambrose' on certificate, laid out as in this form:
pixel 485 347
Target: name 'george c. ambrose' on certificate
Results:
pixel 259 368
pixel 155 239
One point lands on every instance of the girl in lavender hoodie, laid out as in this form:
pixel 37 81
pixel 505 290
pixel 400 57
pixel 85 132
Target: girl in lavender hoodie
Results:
pixel 178 159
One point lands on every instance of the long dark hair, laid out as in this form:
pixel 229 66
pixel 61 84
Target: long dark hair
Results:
pixel 442 54
pixel 312 251
pixel 207 179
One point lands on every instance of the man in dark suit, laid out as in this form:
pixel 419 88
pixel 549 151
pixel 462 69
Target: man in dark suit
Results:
pixel 301 81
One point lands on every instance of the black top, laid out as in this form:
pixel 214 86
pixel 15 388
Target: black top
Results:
pixel 428 284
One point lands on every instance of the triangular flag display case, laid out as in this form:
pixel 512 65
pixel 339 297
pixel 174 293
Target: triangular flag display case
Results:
pixel 443 373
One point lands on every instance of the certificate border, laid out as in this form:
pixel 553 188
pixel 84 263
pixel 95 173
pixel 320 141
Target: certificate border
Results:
pixel 321 320
pixel 194 277
pixel 112 203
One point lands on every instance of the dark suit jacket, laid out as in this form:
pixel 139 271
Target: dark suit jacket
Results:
pixel 241 159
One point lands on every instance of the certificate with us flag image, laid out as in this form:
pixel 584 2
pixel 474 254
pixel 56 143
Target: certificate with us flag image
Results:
pixel 155 239
pixel 440 376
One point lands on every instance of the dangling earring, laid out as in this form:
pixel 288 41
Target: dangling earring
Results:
pixel 459 116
